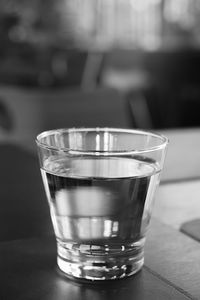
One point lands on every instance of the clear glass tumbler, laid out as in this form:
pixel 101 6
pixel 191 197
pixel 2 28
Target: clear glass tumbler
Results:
pixel 100 185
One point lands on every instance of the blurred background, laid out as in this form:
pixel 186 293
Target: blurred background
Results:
pixel 120 63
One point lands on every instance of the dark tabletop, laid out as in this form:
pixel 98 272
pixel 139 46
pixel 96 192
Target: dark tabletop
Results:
pixel 28 271
pixel 28 250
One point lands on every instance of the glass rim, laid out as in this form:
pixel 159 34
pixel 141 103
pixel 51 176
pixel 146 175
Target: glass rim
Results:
pixel 164 140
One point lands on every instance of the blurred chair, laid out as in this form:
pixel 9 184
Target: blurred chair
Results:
pixel 6 119
pixel 36 110
pixel 132 84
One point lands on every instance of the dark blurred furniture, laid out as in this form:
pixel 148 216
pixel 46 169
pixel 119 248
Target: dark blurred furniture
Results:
pixel 163 84
pixel 41 67
pixel 171 86
pixel 23 206
pixel 36 110
pixel 6 118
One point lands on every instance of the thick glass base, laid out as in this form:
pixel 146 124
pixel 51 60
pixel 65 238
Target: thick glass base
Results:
pixel 94 262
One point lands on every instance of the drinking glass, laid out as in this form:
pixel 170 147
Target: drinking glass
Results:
pixel 100 184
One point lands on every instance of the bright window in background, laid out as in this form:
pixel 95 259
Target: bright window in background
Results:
pixel 135 24
pixel 117 23
pixel 181 20
pixel 103 24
